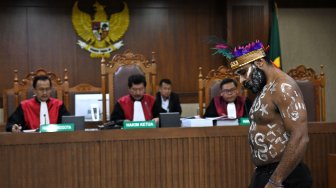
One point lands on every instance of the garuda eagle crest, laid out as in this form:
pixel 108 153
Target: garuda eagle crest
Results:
pixel 102 32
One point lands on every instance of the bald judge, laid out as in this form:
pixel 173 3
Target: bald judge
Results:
pixel 136 106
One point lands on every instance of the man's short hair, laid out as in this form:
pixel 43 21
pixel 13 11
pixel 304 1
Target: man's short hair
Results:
pixel 40 77
pixel 166 81
pixel 228 80
pixel 136 79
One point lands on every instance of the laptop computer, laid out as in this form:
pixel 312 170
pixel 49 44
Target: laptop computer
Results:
pixel 77 120
pixel 170 119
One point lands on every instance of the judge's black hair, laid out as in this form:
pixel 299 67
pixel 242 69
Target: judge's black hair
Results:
pixel 136 79
pixel 228 80
pixel 40 77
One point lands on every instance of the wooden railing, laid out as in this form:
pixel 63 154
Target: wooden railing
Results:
pixel 166 157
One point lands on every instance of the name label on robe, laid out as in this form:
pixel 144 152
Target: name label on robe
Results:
pixel 62 127
pixel 139 124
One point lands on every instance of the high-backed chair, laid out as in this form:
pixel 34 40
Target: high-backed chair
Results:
pixel 209 86
pixel 115 73
pixel 313 89
pixel 23 89
pixel 8 103
pixel 82 88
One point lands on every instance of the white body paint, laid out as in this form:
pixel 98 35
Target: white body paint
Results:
pixel 267 145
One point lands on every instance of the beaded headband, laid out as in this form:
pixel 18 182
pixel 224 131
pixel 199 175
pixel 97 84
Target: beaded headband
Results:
pixel 241 55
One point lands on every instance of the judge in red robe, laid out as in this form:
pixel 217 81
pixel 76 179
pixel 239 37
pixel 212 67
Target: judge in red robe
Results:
pixel 229 94
pixel 28 114
pixel 124 109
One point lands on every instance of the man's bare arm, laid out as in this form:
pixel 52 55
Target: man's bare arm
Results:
pixel 294 115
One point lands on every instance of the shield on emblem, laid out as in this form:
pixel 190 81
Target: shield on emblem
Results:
pixel 100 29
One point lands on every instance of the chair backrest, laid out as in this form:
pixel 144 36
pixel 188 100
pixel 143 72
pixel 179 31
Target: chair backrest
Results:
pixel 209 86
pixel 82 88
pixel 8 103
pixel 23 89
pixel 115 73
pixel 313 89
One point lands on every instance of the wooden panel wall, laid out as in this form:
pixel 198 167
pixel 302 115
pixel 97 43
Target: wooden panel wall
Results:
pixel 247 21
pixel 321 144
pixel 39 33
pixel 180 162
pixel 331 169
pixel 166 158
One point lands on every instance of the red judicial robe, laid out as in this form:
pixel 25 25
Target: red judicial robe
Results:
pixel 31 109
pixel 127 105
pixel 221 106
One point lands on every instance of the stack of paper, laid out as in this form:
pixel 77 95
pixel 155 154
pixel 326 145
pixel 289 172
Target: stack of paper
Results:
pixel 224 121
pixel 197 122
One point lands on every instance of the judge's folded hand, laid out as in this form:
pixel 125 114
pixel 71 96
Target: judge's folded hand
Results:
pixel 16 128
pixel 156 120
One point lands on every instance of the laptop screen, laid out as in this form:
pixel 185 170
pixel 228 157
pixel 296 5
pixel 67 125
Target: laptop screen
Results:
pixel 77 120
pixel 170 119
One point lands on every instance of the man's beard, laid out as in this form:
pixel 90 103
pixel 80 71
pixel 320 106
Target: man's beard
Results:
pixel 257 82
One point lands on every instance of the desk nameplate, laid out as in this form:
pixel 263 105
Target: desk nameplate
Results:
pixel 139 124
pixel 62 127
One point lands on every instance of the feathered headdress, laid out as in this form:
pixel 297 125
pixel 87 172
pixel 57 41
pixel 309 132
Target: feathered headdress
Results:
pixel 221 47
pixel 241 55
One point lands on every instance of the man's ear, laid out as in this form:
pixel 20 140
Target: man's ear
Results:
pixel 259 63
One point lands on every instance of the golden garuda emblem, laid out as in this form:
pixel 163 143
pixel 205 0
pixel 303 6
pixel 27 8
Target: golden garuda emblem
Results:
pixel 99 30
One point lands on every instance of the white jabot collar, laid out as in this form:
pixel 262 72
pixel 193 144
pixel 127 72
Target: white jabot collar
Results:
pixel 44 114
pixel 138 113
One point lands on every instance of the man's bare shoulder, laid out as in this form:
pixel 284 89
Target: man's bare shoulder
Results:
pixel 285 85
pixel 289 99
pixel 285 78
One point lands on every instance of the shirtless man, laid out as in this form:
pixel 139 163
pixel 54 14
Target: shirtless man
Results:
pixel 278 133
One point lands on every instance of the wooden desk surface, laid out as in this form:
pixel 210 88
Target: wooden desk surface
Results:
pixel 167 157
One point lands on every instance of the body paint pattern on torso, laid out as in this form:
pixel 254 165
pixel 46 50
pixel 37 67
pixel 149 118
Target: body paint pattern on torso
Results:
pixel 268 140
